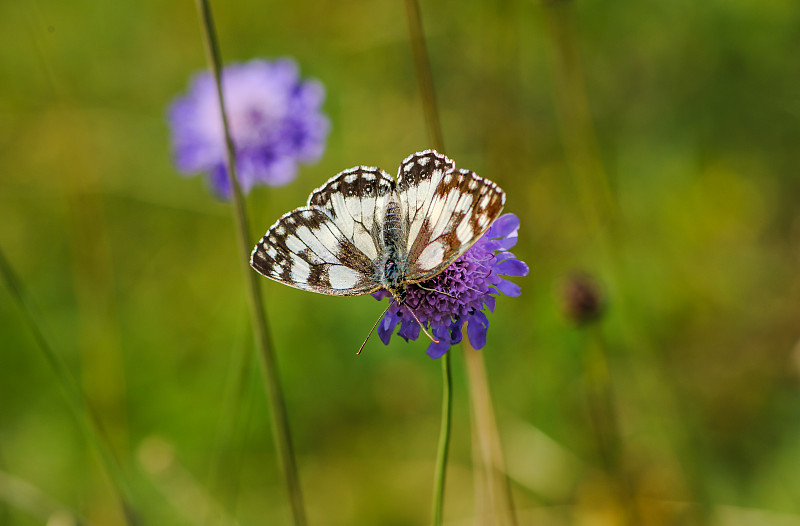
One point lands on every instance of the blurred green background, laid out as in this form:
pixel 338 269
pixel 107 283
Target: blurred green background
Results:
pixel 653 145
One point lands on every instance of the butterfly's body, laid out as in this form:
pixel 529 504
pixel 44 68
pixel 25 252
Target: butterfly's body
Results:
pixel 392 265
pixel 362 231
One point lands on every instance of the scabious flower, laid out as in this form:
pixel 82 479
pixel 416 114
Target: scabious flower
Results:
pixel 274 119
pixel 470 284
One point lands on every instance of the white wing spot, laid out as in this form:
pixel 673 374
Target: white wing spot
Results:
pixel 364 242
pixel 294 244
pixel 432 256
pixel 473 184
pixel 300 270
pixel 351 178
pixel 464 230
pixel 443 212
pixel 368 212
pixel 464 203
pixel 423 161
pixel 485 201
pixel 353 205
pixel 368 176
pixel 343 219
pixel 324 252
pixel 341 277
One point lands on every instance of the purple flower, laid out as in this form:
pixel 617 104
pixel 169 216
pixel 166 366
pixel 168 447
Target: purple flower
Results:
pixel 471 283
pixel 274 118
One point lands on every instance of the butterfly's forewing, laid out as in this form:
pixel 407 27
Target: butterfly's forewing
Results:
pixel 419 175
pixel 307 250
pixel 355 199
pixel 445 219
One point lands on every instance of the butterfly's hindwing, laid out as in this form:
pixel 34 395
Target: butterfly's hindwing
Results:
pixel 355 199
pixel 306 249
pixel 450 218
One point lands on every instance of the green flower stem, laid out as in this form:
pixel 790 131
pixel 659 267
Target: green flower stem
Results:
pixel 83 414
pixel 422 66
pixel 277 404
pixel 444 440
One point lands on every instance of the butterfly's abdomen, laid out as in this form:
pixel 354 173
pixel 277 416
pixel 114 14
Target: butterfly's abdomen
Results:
pixel 394 261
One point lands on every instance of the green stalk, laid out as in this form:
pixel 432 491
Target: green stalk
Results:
pixel 83 414
pixel 277 404
pixel 422 66
pixel 444 440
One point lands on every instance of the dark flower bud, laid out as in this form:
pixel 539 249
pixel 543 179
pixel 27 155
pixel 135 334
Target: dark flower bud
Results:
pixel 582 299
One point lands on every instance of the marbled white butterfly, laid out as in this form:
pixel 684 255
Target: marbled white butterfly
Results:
pixel 361 232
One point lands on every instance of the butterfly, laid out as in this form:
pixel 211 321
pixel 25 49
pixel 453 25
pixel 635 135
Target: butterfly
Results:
pixel 361 231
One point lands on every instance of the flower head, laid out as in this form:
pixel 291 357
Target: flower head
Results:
pixel 458 295
pixel 274 120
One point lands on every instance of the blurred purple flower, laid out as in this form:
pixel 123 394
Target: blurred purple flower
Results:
pixel 472 281
pixel 274 118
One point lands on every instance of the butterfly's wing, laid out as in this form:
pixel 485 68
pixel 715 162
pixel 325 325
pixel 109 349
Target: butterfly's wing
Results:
pixel 306 249
pixel 355 199
pixel 447 211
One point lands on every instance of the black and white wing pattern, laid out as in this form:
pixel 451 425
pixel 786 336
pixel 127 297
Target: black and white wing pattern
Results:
pixel 447 211
pixel 356 200
pixel 361 232
pixel 329 246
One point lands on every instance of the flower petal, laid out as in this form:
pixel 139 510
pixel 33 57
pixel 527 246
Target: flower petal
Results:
pixel 490 302
pixel 476 331
pixel 511 267
pixel 504 225
pixel 437 350
pixel 386 327
pixel 508 242
pixel 508 288
pixel 409 330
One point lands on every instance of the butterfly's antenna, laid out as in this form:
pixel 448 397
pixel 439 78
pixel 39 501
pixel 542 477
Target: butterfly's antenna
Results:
pixel 439 291
pixel 376 324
